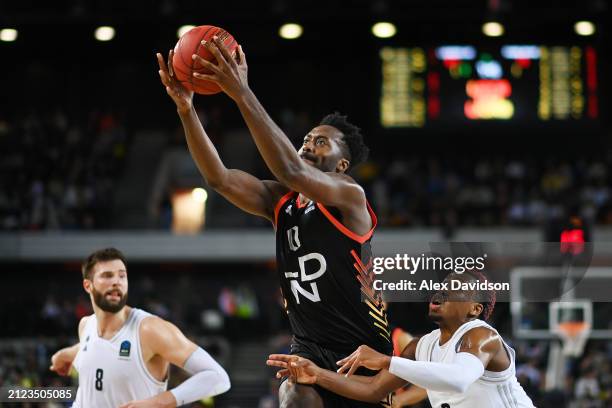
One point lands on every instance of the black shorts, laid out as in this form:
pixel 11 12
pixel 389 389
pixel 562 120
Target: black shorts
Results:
pixel 326 358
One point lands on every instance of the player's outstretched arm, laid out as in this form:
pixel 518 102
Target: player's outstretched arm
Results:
pixel 276 149
pixel 245 191
pixel 478 347
pixel 207 379
pixel 303 371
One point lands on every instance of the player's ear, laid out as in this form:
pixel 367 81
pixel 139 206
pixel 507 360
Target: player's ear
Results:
pixel 477 309
pixel 87 285
pixel 342 166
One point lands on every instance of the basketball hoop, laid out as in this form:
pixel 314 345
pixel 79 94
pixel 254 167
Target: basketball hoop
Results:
pixel 574 335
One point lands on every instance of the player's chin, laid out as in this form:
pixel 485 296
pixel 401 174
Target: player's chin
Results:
pixel 435 315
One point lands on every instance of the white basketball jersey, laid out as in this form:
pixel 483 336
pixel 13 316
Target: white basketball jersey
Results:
pixel 112 372
pixel 492 390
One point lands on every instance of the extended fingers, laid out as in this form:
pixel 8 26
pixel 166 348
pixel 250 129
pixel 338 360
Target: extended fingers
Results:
pixel 283 357
pixel 206 64
pixel 276 363
pixel 354 367
pixel 346 365
pixel 170 66
pixel 211 78
pixel 226 54
pixel 241 56
pixel 213 47
pixel 164 78
pixel 161 62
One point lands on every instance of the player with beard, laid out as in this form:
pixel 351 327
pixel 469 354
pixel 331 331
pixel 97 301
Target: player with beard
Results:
pixel 321 216
pixel 463 364
pixel 124 353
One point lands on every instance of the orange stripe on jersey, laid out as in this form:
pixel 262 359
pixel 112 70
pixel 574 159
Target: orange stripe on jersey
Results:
pixel 359 238
pixel 280 203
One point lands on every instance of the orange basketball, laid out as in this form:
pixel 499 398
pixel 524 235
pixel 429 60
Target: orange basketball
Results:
pixel 191 43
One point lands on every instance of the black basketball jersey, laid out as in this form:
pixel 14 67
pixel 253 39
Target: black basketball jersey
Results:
pixel 326 278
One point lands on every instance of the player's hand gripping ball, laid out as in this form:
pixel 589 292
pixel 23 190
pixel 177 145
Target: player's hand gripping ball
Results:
pixel 191 43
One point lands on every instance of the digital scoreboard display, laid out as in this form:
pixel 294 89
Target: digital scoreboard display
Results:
pixel 454 84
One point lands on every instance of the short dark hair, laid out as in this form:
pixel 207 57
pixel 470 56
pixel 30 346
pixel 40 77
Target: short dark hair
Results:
pixel 101 255
pixel 357 150
pixel 486 298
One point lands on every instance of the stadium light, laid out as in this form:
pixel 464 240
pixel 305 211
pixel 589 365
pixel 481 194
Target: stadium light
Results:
pixel 290 31
pixel 8 34
pixel 584 28
pixel 199 195
pixel 384 29
pixel 104 33
pixel 183 29
pixel 493 29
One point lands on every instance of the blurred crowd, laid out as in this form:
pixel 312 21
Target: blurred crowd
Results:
pixel 58 172
pixel 588 383
pixel 488 191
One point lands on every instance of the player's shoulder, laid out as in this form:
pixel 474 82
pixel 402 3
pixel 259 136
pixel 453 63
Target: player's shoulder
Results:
pixel 482 331
pixel 482 337
pixel 350 186
pixel 151 324
pixel 83 323
pixel 155 328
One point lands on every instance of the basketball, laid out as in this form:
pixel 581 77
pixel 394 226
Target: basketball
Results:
pixel 191 43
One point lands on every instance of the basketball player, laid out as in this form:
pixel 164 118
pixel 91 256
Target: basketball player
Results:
pixel 322 219
pixel 123 354
pixel 463 364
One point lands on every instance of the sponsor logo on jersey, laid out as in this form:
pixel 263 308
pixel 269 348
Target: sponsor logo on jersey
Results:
pixel 124 350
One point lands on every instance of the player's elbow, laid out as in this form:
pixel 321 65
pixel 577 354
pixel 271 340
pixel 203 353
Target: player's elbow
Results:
pixel 219 182
pixel 224 383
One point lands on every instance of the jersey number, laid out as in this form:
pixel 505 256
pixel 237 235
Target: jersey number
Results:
pixel 99 376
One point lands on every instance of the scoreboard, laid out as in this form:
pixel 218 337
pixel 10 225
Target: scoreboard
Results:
pixel 459 84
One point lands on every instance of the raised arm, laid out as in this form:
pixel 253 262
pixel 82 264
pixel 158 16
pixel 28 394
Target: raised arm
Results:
pixel 274 146
pixel 245 191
